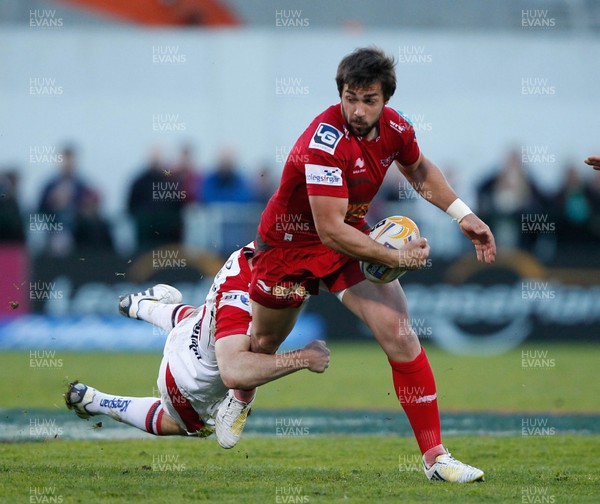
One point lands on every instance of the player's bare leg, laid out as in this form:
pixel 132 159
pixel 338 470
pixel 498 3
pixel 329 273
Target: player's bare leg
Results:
pixel 270 327
pixel 383 307
pixel 144 413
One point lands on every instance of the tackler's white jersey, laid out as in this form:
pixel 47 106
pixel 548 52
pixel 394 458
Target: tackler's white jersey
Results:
pixel 190 347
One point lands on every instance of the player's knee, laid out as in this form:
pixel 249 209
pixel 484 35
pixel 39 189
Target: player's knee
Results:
pixel 396 331
pixel 404 331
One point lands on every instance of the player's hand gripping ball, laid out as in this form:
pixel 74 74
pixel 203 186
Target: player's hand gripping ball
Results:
pixel 393 232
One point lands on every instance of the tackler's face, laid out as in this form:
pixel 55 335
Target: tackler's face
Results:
pixel 362 108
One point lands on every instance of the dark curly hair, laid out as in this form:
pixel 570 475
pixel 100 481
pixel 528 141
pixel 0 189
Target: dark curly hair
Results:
pixel 364 67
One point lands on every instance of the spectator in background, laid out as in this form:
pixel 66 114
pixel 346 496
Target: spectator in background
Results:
pixel 577 204
pixel 91 231
pixel 505 198
pixel 155 203
pixel 226 184
pixel 185 169
pixel 11 222
pixel 573 207
pixel 60 202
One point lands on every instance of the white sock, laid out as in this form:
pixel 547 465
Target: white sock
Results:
pixel 159 314
pixel 144 413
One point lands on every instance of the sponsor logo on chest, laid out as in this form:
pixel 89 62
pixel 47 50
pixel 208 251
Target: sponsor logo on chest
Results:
pixel 359 166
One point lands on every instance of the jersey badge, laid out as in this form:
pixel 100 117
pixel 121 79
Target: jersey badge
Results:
pixel 326 138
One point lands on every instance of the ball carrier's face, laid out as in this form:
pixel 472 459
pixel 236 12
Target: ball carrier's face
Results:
pixel 362 108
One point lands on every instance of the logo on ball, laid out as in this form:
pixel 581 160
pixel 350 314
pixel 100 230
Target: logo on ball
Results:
pixel 393 232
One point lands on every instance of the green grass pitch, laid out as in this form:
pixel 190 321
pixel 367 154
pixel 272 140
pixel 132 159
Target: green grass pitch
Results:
pixel 338 468
pixel 358 377
pixel 362 469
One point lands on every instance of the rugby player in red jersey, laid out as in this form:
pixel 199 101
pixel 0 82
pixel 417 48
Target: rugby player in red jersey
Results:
pixel 313 233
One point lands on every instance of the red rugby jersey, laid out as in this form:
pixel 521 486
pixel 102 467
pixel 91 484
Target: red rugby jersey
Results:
pixel 228 309
pixel 328 160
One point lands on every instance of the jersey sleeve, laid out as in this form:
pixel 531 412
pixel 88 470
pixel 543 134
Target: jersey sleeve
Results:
pixel 233 314
pixel 409 152
pixel 323 169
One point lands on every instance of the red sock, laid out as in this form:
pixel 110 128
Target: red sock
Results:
pixel 415 387
pixel 244 395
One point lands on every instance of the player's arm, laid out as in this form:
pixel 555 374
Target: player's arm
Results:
pixel 242 369
pixel 593 161
pixel 329 213
pixel 430 183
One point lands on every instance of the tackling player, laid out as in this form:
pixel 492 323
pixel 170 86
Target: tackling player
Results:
pixel 206 356
pixel 313 233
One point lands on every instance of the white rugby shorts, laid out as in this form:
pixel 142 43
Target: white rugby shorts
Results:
pixel 189 381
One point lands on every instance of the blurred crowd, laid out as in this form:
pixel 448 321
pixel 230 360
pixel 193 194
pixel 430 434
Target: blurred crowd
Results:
pixel 69 213
pixel 521 214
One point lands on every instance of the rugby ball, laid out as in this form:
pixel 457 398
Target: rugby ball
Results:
pixel 393 232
